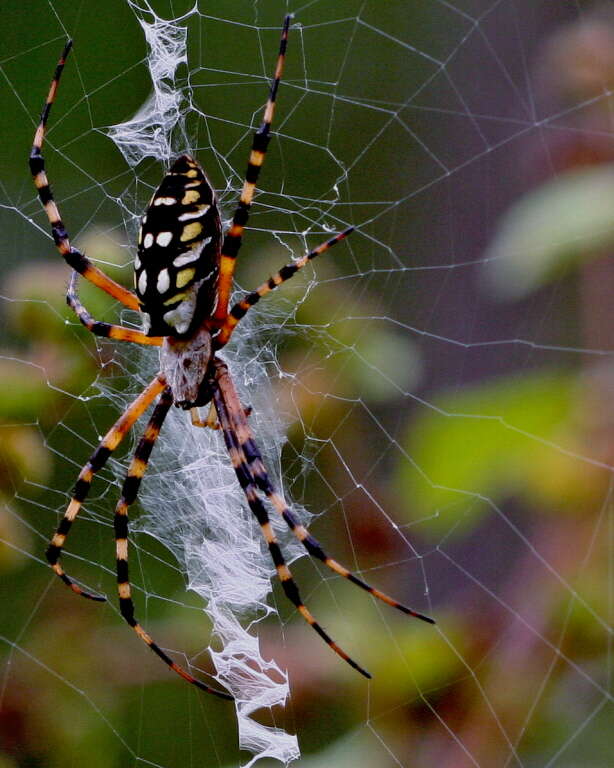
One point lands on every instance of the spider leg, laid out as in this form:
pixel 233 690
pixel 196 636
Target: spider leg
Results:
pixel 229 412
pixel 209 421
pixel 232 240
pixel 73 257
pixel 242 307
pixel 211 418
pixel 108 331
pixel 95 463
pixel 130 488
pixel 258 471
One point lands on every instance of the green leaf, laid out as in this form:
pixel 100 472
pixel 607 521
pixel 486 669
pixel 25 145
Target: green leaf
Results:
pixel 562 223
pixel 482 445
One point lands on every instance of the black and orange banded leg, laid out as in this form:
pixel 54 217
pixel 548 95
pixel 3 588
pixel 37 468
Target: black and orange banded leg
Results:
pixel 242 307
pixel 95 463
pixel 228 406
pixel 73 257
pixel 106 330
pixel 258 471
pixel 130 489
pixel 232 240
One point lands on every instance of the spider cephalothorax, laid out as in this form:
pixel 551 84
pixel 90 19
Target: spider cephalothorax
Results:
pixel 186 366
pixel 183 279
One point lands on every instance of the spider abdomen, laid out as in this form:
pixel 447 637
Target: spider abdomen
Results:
pixel 176 266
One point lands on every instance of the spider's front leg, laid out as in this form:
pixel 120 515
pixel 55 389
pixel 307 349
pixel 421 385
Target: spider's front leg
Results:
pixel 242 307
pixel 73 257
pixel 234 235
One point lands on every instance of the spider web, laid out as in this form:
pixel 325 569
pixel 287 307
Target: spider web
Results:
pixel 433 395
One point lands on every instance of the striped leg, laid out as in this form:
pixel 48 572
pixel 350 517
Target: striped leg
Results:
pixel 73 257
pixel 130 488
pixel 241 308
pixel 227 410
pixel 108 331
pixel 210 420
pixel 232 240
pixel 258 471
pixel 96 461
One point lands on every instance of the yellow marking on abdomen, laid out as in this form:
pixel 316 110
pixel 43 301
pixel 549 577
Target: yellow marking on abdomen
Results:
pixel 184 277
pixel 190 231
pixel 192 196
pixel 173 299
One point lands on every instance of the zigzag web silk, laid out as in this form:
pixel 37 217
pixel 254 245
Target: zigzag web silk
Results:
pixel 210 528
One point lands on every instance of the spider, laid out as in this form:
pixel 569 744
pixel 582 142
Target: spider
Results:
pixel 183 274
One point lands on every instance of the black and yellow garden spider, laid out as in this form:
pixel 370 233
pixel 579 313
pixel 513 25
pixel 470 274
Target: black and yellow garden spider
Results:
pixel 183 274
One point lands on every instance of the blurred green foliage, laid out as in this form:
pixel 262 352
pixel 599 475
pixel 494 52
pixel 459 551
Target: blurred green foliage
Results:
pixel 562 224
pixel 501 439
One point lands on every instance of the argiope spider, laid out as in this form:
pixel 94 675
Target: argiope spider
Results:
pixel 183 274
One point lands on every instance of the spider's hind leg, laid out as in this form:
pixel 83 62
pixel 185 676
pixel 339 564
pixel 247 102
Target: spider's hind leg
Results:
pixel 261 478
pixel 95 463
pixel 130 488
pixel 228 406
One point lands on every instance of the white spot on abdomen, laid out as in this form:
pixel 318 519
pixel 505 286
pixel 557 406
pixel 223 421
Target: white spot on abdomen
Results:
pixel 192 254
pixel 142 285
pixel 202 209
pixel 164 281
pixel 164 238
